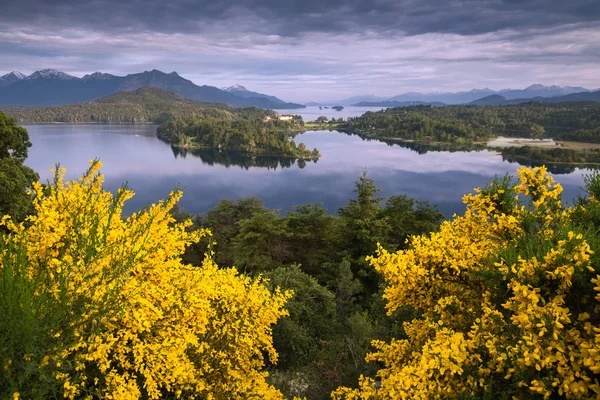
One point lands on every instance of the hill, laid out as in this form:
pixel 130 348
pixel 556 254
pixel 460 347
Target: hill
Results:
pixel 50 87
pixel 241 91
pixel 389 103
pixel 573 97
pixel 465 97
pixel 491 100
pixel 459 125
pixel 144 105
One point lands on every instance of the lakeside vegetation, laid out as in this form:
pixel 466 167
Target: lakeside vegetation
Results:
pixel 382 301
pixel 184 123
pixel 142 106
pixel 241 159
pixel 557 155
pixel 246 130
pixel 336 310
pixel 472 124
pixel 205 126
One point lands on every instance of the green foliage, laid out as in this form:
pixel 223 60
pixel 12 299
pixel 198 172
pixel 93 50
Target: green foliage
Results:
pixel 261 242
pixel 15 178
pixel 144 105
pixel 25 326
pixel 337 309
pixel 554 155
pixel 299 338
pixel 467 124
pixel 244 130
pixel 406 217
pixel 365 226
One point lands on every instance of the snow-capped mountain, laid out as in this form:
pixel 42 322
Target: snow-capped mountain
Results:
pixel 235 88
pixel 11 77
pixel 472 95
pixel 98 76
pixel 52 87
pixel 50 74
pixel 241 91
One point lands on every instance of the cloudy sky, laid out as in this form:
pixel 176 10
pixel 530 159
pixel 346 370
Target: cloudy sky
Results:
pixel 313 49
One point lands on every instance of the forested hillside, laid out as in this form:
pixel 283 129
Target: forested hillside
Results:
pixel 381 301
pixel 468 124
pixel 244 130
pixel 337 309
pixel 144 105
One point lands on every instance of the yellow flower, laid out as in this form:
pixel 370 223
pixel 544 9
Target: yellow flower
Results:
pixel 495 292
pixel 140 324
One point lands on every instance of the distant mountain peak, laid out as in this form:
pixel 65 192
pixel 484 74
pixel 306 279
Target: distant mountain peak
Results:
pixel 537 86
pixel 98 76
pixel 49 73
pixel 235 88
pixel 52 87
pixel 16 75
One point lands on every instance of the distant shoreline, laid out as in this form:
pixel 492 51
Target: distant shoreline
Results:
pixel 86 123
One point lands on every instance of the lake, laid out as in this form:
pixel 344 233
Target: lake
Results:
pixel 152 168
pixel 312 113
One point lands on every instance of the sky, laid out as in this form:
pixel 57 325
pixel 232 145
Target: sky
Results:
pixel 313 50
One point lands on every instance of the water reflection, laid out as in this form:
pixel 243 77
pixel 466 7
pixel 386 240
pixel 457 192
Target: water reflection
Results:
pixel 242 159
pixel 423 148
pixel 152 169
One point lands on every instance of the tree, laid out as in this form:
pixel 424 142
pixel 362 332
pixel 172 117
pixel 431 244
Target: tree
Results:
pixel 299 337
pixel 261 244
pixel 99 306
pixel 311 236
pixel 363 226
pixel 536 131
pixel 15 178
pixel 224 221
pixel 406 218
pixel 504 297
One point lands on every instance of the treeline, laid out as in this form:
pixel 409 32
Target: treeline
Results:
pixel 337 309
pixel 241 159
pixel 145 105
pixel 467 124
pixel 246 130
pixel 554 155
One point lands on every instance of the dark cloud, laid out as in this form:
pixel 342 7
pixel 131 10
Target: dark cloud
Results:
pixel 312 49
pixel 291 18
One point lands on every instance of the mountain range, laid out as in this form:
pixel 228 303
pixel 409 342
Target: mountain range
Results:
pixel 465 97
pixel 144 105
pixel 50 87
pixel 498 100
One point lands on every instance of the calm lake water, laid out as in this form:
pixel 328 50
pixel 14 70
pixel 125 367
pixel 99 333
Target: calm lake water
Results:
pixel 312 113
pixel 132 153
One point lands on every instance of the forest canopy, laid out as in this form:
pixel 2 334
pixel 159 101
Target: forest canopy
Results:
pixel 468 124
pixel 246 130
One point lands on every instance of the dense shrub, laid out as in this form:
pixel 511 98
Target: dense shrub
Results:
pixel 99 306
pixel 506 296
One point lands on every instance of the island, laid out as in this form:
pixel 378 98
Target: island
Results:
pixel 337 108
pixel 574 126
pixel 248 130
pixel 184 123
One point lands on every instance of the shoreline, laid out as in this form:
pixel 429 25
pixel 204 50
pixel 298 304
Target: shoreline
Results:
pixel 86 123
pixel 479 145
pixel 192 148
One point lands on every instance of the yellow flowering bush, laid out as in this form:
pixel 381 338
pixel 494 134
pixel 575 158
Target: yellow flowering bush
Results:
pixel 508 298
pixel 100 306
